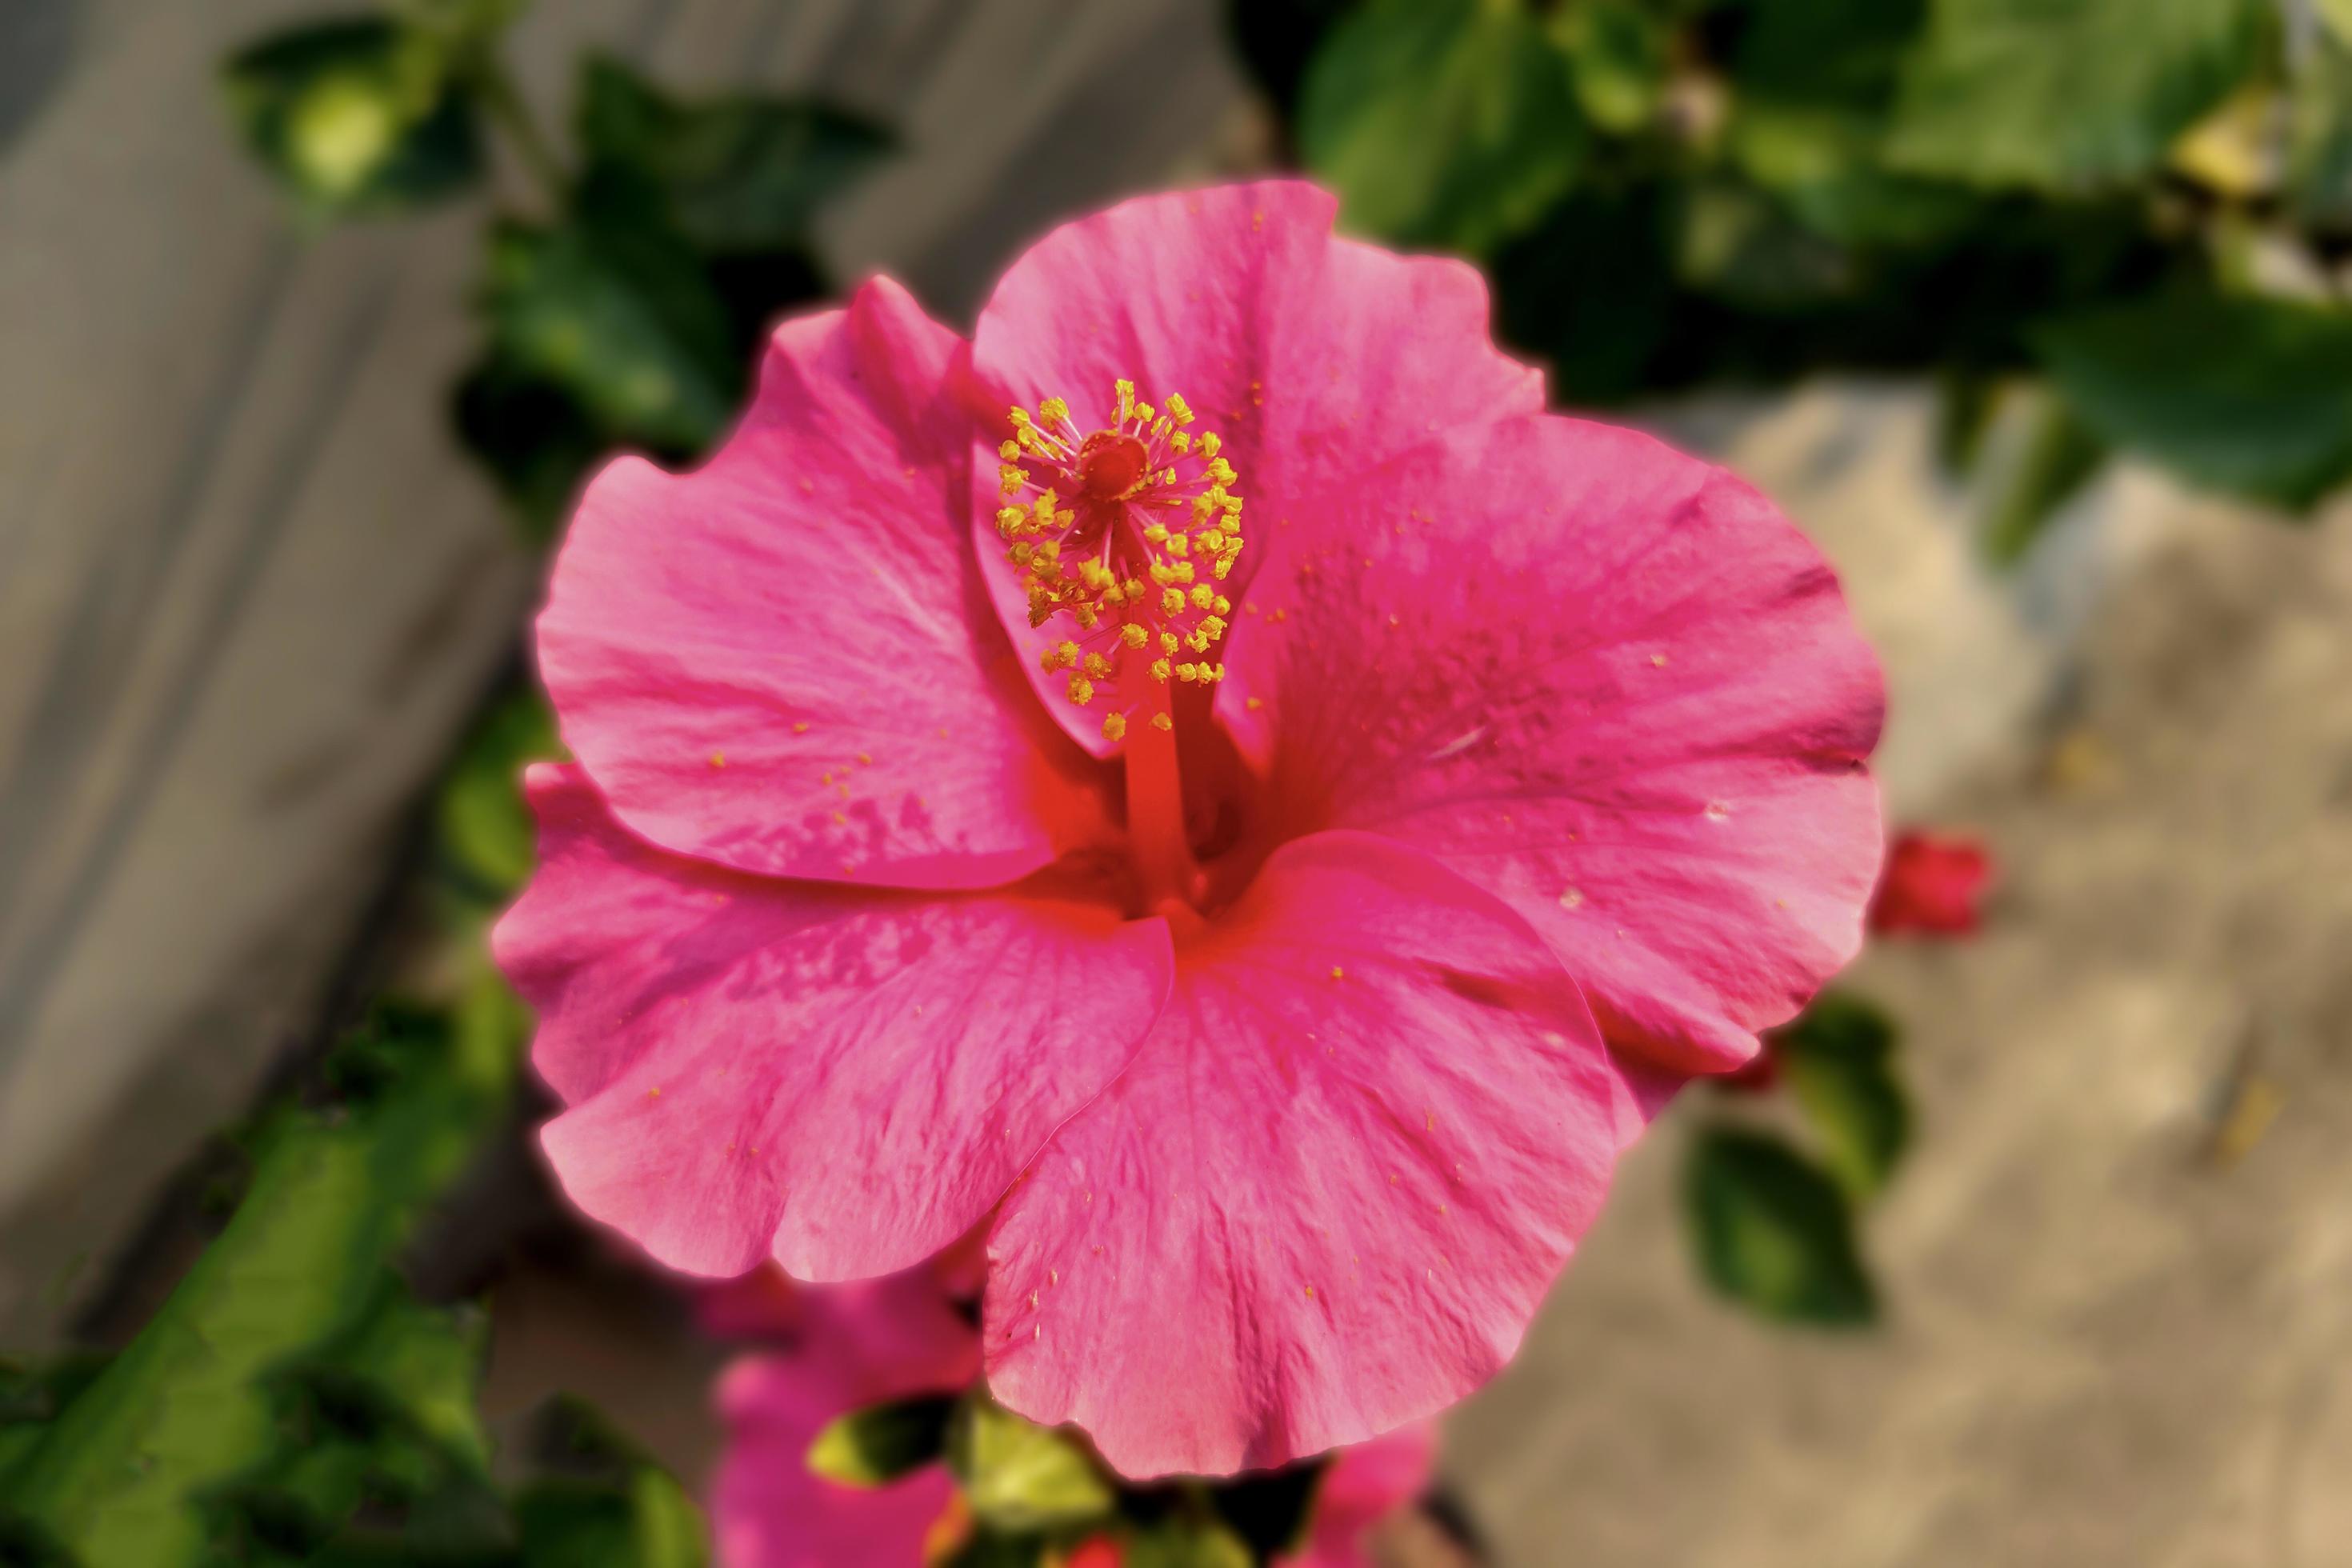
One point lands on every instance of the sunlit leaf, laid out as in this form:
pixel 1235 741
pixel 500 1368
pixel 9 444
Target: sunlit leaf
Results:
pixel 739 172
pixel 2067 94
pixel 355 116
pixel 1838 1059
pixel 1447 123
pixel 1018 1475
pixel 1774 1233
pixel 876 1446
pixel 2252 396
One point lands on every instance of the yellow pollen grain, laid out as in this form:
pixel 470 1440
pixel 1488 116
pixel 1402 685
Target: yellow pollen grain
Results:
pixel 1255 703
pixel 1113 726
pixel 717 759
pixel 1162 721
pixel 800 728
pixel 1337 973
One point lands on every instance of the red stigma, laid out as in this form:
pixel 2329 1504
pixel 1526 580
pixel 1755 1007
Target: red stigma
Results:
pixel 1110 464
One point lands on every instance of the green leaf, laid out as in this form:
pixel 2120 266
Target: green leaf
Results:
pixel 1591 289
pixel 2319 158
pixel 644 1521
pixel 2251 397
pixel 1838 1059
pixel 533 436
pixel 2064 95
pixel 1448 123
pixel 355 117
pixel 1181 1542
pixel 1617 52
pixel 614 306
pixel 1824 53
pixel 739 173
pixel 2061 455
pixel 486 830
pixel 1773 1233
pixel 876 1446
pixel 121 1475
pixel 1737 245
pixel 379 1447
pixel 1018 1475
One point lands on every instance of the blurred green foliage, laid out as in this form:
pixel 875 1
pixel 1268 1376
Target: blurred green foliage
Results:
pixel 623 304
pixel 2131 214
pixel 1773 1233
pixel 1774 1229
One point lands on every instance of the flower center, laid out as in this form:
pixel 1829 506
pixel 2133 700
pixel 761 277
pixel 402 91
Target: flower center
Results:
pixel 1133 560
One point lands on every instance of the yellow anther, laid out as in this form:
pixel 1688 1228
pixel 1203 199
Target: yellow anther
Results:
pixel 1082 690
pixel 1011 479
pixel 1179 443
pixel 1113 726
pixel 1162 721
pixel 1221 472
pixel 1053 411
pixel 1156 532
pixel 1143 411
pixel 1168 642
pixel 1179 410
pixel 1179 544
pixel 1171 602
pixel 1009 451
pixel 1203 596
pixel 1132 634
pixel 1188 671
pixel 1020 417
pixel 1125 391
pixel 1097 666
pixel 1213 627
pixel 1210 445
pixel 1160 668
pixel 1224 607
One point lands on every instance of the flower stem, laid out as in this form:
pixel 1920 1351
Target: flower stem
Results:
pixel 1155 793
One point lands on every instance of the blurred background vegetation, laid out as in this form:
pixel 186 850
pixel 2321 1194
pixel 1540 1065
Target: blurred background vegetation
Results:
pixel 2121 224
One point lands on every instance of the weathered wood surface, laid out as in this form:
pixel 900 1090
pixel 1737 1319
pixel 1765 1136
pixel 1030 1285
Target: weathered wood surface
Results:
pixel 247 588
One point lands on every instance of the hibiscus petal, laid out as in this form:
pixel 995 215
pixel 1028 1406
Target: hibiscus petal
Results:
pixel 1603 680
pixel 1311 355
pixel 843 1078
pixel 785 662
pixel 1327 1197
pixel 1363 1486
pixel 859 1346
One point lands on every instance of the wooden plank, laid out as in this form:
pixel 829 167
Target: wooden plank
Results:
pixel 246 587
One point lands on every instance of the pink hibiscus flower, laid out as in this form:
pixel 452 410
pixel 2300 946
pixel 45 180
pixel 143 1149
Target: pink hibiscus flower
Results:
pixel 847 1347
pixel 1933 886
pixel 1273 875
